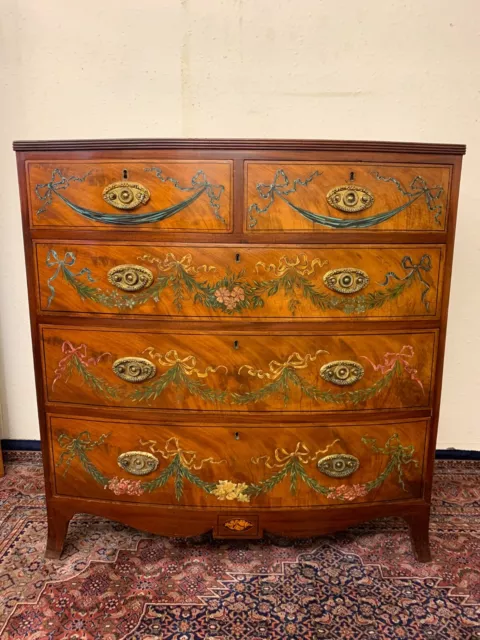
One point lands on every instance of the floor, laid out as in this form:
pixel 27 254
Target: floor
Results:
pixel 116 583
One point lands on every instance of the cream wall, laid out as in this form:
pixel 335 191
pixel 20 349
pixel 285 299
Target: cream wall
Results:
pixel 380 69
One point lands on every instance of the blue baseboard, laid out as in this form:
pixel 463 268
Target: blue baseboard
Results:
pixel 440 454
pixel 21 445
pixel 456 454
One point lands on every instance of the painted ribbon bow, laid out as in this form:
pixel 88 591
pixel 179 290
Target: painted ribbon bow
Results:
pixel 414 272
pixel 170 262
pixel 62 265
pixel 295 361
pixel 391 359
pixel 76 446
pixel 300 264
pixel 198 182
pixel 418 187
pixel 80 353
pixel 57 183
pixel 399 454
pixel 188 364
pixel 172 448
pixel 301 453
pixel 431 194
pixel 280 186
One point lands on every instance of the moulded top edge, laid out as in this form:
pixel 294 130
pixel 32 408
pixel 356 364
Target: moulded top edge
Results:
pixel 240 145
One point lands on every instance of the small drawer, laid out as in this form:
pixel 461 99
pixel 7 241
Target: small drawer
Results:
pixel 237 470
pixel 237 526
pixel 300 196
pixel 239 372
pixel 261 282
pixel 164 195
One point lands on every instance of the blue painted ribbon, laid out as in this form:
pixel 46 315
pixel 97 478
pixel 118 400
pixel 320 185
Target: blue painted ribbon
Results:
pixel 282 187
pixel 199 184
pixel 69 260
pixel 414 270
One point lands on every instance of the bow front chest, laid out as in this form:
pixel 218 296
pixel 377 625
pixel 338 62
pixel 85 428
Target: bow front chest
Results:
pixel 238 336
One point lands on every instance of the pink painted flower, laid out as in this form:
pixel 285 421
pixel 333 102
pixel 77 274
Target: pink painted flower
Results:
pixel 230 303
pixel 230 298
pixel 345 492
pixel 123 486
pixel 222 294
pixel 238 294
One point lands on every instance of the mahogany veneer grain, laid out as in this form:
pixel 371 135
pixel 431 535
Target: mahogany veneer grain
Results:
pixel 409 407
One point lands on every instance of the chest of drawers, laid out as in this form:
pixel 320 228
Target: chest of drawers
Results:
pixel 238 336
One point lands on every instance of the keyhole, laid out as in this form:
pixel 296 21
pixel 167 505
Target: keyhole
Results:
pixel 125 174
pixel 237 435
pixel 237 257
pixel 352 176
pixel 235 344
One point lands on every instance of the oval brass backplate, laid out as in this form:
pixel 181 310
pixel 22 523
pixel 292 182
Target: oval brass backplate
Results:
pixel 134 369
pixel 346 280
pixel 350 198
pixel 130 277
pixel 342 372
pixel 126 195
pixel 338 465
pixel 138 463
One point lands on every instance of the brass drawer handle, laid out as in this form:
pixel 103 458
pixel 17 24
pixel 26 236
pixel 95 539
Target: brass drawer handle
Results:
pixel 346 280
pixel 134 369
pixel 126 195
pixel 338 465
pixel 350 198
pixel 342 372
pixel 130 277
pixel 138 463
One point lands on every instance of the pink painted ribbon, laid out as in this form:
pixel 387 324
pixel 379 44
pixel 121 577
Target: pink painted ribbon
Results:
pixel 80 352
pixel 390 359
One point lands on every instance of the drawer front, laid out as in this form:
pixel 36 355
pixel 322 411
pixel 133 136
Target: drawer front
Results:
pixel 232 372
pixel 260 282
pixel 124 195
pixel 334 197
pixel 245 468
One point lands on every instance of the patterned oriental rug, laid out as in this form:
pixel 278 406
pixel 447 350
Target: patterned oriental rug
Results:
pixel 117 583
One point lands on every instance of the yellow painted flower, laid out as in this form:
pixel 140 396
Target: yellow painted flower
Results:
pixel 227 490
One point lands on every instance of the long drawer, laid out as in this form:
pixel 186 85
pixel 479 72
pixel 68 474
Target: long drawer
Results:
pixel 262 282
pixel 282 197
pixel 184 195
pixel 245 468
pixel 239 372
